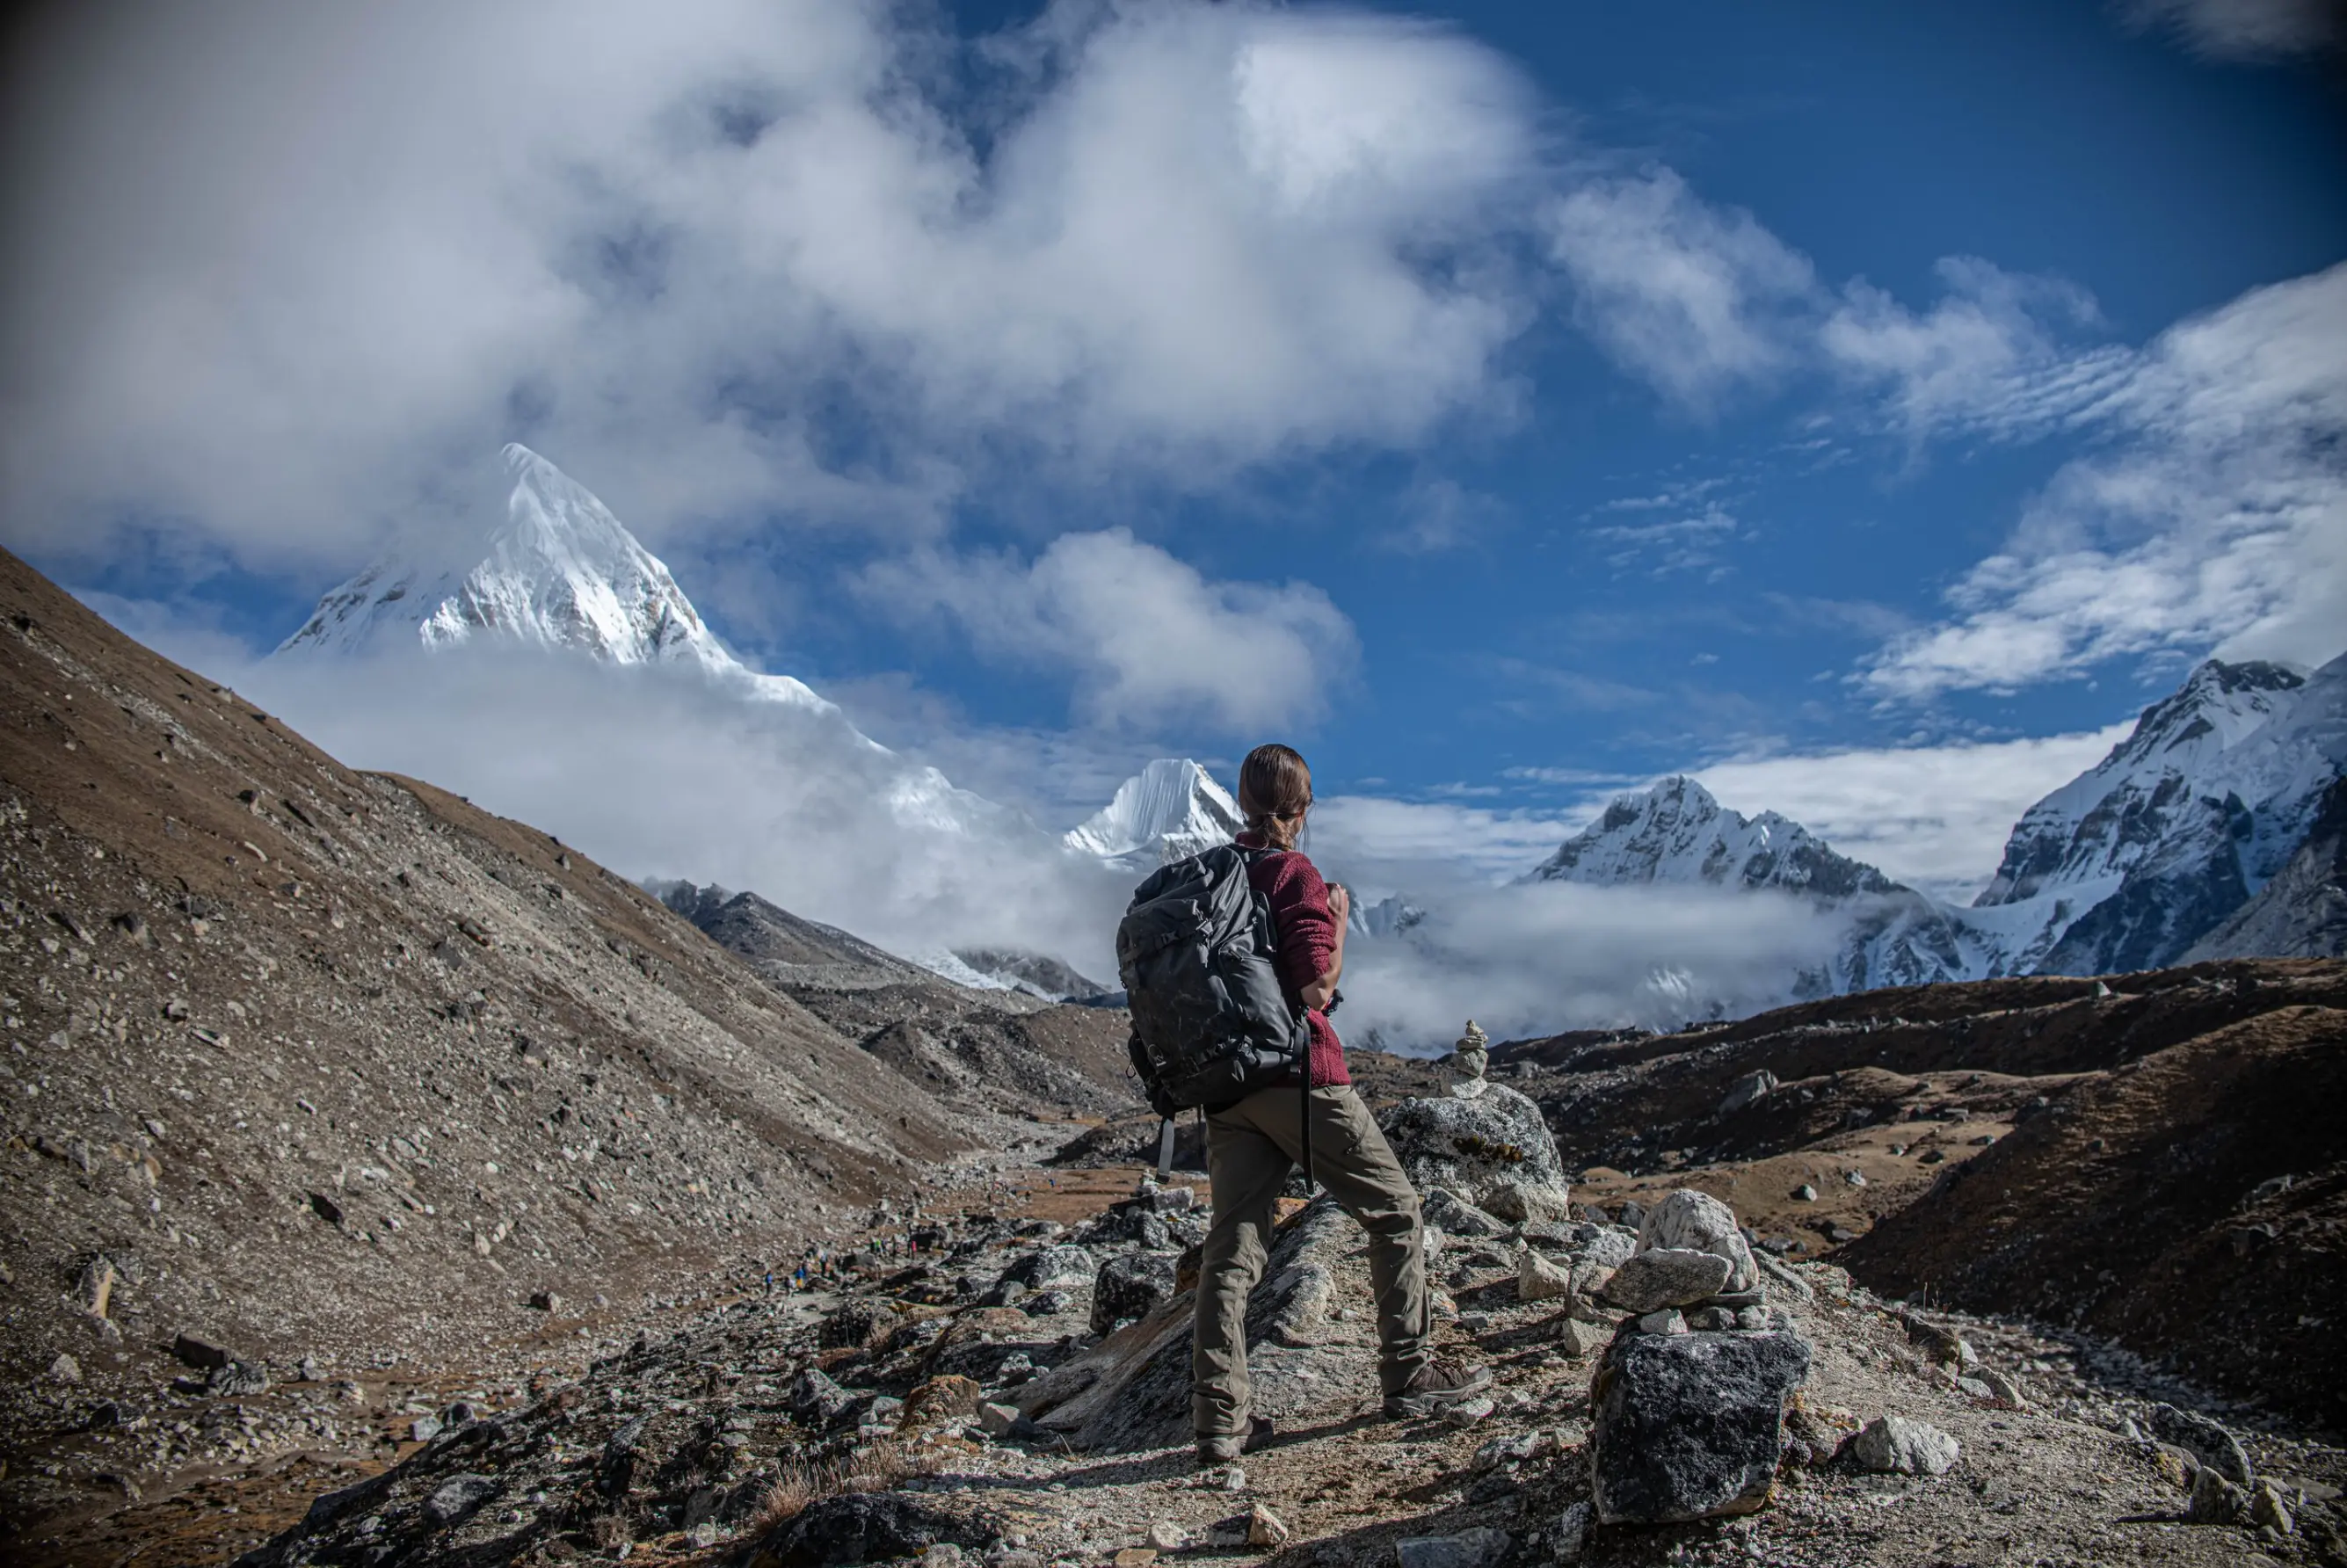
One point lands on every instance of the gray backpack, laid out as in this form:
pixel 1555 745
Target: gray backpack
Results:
pixel 1211 1022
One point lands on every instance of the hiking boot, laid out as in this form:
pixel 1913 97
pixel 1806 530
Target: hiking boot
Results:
pixel 1440 1381
pixel 1226 1448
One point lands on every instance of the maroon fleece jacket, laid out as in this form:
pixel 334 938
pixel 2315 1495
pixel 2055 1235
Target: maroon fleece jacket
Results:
pixel 1300 917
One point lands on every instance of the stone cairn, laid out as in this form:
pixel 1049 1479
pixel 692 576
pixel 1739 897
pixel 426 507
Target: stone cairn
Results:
pixel 1469 1060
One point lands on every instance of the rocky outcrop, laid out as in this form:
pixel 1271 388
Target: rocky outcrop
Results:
pixel 2303 912
pixel 1474 1146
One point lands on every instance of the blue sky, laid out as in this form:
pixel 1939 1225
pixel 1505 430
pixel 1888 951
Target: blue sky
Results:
pixel 1508 404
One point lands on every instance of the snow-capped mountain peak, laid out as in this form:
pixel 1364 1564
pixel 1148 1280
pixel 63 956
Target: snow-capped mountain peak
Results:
pixel 559 571
pixel 2102 824
pixel 1676 833
pixel 1171 809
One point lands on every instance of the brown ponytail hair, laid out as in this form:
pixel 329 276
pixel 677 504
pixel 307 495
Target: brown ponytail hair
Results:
pixel 1275 788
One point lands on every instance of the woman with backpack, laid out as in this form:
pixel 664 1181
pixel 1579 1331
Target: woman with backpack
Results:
pixel 1255 1143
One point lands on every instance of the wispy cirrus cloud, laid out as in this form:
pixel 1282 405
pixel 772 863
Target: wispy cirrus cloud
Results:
pixel 2214 516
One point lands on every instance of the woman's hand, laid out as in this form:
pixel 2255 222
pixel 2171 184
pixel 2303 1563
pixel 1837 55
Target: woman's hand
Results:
pixel 1340 903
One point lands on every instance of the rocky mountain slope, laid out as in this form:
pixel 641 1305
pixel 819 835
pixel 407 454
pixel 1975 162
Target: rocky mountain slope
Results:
pixel 2130 864
pixel 2303 912
pixel 1005 1048
pixel 302 1061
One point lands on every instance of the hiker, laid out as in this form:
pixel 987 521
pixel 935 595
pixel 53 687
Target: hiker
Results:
pixel 1255 1142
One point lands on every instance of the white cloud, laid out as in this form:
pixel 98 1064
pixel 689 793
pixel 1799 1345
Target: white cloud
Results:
pixel 1983 356
pixel 1934 817
pixel 286 275
pixel 1148 636
pixel 2216 518
pixel 1388 845
pixel 1533 959
pixel 2245 29
pixel 657 773
pixel 1692 296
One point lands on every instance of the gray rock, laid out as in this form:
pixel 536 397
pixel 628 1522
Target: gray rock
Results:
pixel 2215 1500
pixel 1690 1426
pixel 1473 1145
pixel 1537 1280
pixel 65 1369
pixel 872 1527
pixel 817 1402
pixel 1669 1320
pixel 1568 1533
pixel 1063 1267
pixel 1691 1220
pixel 1748 1090
pixel 1526 1203
pixel 1132 1286
pixel 1478 1548
pixel 1467 1412
pixel 1712 1319
pixel 1894 1445
pixel 1667 1276
pixel 855 1323
pixel 2206 1439
pixel 1805 1193
pixel 238 1379
pixel 2270 1510
pixel 423 1429
pixel 1782 1274
pixel 458 1496
pixel 1453 1216
pixel 1578 1339
pixel 201 1354
pixel 996 1421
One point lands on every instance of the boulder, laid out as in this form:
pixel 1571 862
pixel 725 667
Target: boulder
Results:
pixel 1131 1287
pixel 943 1398
pixel 1473 1146
pixel 1893 1445
pixel 1748 1090
pixel 1537 1280
pixel 2206 1439
pixel 1691 1220
pixel 1478 1548
pixel 1667 1276
pixel 1690 1426
pixel 817 1402
pixel 458 1496
pixel 1578 1339
pixel 1062 1267
pixel 200 1354
pixel 855 1323
pixel 238 1379
pixel 1451 1214
pixel 872 1527
pixel 1527 1204
pixel 2215 1500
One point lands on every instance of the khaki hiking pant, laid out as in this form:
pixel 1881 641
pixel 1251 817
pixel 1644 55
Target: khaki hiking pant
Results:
pixel 1251 1148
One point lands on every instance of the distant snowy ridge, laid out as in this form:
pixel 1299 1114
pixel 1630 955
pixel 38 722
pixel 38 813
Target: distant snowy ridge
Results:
pixel 2133 861
pixel 1169 811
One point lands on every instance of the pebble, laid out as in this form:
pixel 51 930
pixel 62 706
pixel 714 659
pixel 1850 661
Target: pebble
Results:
pixel 1167 1536
pixel 1264 1528
pixel 1805 1193
pixel 1467 1412
pixel 65 1369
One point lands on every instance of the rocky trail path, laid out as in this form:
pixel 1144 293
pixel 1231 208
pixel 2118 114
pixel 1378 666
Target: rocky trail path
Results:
pixel 1016 1398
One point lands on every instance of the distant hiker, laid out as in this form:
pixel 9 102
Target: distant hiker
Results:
pixel 1231 984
